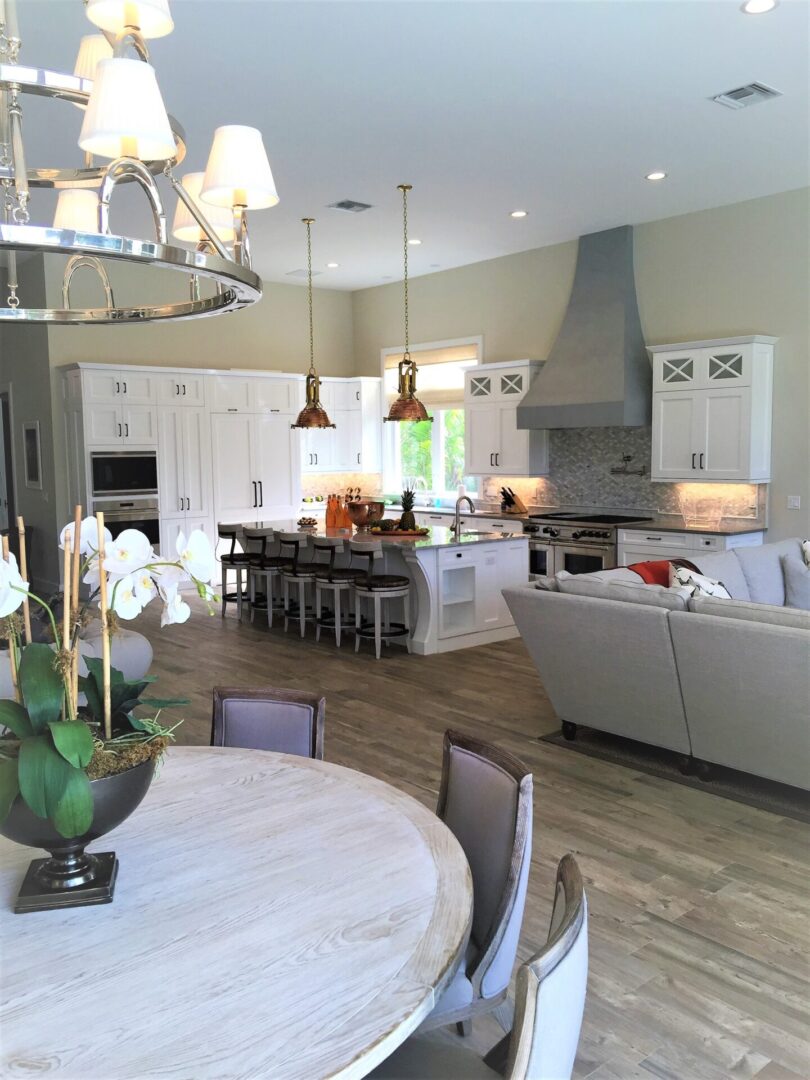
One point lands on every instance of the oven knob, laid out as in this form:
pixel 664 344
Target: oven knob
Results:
pixel 551 532
pixel 577 535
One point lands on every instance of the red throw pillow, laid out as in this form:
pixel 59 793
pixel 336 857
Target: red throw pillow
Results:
pixel 652 573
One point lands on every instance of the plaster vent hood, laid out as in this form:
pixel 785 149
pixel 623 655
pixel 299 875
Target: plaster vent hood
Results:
pixel 597 373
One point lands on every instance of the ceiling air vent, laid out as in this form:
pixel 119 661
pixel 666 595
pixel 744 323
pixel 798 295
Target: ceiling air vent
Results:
pixel 350 206
pixel 743 96
pixel 301 273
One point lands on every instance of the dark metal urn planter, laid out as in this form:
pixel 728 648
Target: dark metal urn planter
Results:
pixel 72 877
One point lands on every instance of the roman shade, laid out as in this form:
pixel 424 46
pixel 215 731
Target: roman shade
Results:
pixel 440 378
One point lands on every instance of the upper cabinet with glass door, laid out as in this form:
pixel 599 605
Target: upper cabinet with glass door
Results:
pixel 712 410
pixel 493 443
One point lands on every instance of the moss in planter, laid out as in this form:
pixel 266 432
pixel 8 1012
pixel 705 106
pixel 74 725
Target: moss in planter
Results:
pixel 108 762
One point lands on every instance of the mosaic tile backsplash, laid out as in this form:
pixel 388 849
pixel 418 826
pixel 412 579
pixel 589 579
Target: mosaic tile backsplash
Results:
pixel 580 460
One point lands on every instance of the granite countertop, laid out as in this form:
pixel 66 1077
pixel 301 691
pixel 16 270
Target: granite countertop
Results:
pixel 675 524
pixel 438 536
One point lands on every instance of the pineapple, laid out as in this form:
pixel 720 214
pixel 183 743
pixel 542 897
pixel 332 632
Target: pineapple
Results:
pixel 407 522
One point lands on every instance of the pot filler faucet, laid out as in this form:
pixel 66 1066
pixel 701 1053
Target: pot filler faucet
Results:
pixel 456 526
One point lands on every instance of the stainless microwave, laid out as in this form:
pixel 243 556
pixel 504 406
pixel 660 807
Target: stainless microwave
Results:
pixel 123 472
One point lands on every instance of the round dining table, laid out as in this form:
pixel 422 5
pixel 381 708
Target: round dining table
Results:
pixel 274 917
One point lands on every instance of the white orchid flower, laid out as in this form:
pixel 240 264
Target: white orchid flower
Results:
pixel 11 583
pixel 129 552
pixel 175 609
pixel 167 576
pixel 88 536
pixel 123 600
pixel 145 588
pixel 196 555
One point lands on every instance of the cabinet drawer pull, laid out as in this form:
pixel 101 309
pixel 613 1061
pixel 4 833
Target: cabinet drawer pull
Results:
pixel 656 539
pixel 233 410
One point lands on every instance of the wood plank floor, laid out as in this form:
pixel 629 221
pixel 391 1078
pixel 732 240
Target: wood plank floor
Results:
pixel 699 906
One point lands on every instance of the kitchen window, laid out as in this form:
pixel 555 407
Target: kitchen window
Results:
pixel 430 456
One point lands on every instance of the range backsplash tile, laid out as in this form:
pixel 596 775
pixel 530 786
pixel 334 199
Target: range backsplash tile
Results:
pixel 580 460
pixel 336 483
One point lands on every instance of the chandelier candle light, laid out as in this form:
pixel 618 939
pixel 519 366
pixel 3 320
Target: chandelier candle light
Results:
pixel 407 405
pixel 125 121
pixel 313 414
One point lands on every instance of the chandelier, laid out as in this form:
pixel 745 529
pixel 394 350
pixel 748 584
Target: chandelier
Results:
pixel 126 123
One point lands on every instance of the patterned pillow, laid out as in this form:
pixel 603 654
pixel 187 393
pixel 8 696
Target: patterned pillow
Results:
pixel 698 584
pixel 806 552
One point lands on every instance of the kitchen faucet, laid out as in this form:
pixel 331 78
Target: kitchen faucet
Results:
pixel 456 526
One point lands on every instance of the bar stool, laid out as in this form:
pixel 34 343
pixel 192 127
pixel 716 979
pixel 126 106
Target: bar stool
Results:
pixel 236 561
pixel 298 576
pixel 337 581
pixel 263 568
pixel 379 588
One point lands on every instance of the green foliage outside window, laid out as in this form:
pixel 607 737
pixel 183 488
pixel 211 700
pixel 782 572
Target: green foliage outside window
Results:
pixel 418 443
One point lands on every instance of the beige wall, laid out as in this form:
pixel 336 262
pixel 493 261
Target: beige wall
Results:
pixel 734 270
pixel 272 335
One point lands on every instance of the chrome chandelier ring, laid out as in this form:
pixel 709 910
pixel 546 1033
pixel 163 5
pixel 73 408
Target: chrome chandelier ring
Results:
pixel 63 87
pixel 237 286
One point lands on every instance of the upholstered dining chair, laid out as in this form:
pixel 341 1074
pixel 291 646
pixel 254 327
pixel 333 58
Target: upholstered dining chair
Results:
pixel 485 799
pixel 549 1002
pixel 287 721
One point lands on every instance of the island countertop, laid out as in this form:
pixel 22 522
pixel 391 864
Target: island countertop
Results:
pixel 437 536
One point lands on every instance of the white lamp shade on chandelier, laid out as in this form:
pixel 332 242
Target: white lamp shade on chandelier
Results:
pixel 77 209
pixel 151 18
pixel 238 172
pixel 185 226
pixel 125 115
pixel 92 48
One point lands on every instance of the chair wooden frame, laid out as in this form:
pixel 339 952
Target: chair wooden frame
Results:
pixel 514 768
pixel 269 694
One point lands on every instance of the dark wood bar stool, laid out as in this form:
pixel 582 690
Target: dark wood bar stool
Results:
pixel 299 576
pixel 264 569
pixel 378 590
pixel 337 581
pixel 235 561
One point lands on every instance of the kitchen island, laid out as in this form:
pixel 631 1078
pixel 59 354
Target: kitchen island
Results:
pixel 456 582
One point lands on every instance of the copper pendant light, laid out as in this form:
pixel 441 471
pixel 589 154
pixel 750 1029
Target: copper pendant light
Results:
pixel 313 414
pixel 407 405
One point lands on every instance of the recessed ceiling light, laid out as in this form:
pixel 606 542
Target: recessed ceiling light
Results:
pixel 519 213
pixel 758 7
pixel 655 176
pixel 332 266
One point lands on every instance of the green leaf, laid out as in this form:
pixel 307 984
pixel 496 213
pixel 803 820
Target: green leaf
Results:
pixel 15 717
pixel 42 773
pixel 42 687
pixel 73 740
pixel 95 665
pixel 73 814
pixel 93 693
pixel 163 703
pixel 9 785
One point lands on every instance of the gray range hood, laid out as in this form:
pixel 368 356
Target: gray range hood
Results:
pixel 598 373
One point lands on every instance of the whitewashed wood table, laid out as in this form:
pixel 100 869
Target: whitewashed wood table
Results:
pixel 273 917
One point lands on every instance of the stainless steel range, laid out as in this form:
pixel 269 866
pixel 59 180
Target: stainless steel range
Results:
pixel 575 541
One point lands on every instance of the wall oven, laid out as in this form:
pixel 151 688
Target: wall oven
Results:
pixel 123 473
pixel 141 514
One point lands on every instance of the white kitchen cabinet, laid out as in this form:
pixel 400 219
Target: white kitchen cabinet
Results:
pixel 230 394
pixel 255 394
pixel 493 443
pixel 355 443
pixel 471 580
pixel 643 545
pixel 120 425
pixel 712 410
pixel 184 461
pixel 256 469
pixel 181 388
pixel 120 385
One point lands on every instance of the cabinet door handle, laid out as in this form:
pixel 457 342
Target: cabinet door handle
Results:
pixel 357 395
pixel 184 389
pixel 316 459
pixel 126 431
pixel 125 387
pixel 261 493
pixel 255 495
pixel 492 460
pixel 693 460
pixel 181 504
pixel 358 458
pixel 701 459
pixel 496 460
pixel 120 433
pixel 177 389
pixel 118 388
pixel 188 504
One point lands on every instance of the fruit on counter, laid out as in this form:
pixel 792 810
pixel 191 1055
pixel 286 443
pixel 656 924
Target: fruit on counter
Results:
pixel 307 523
pixel 407 522
pixel 387 524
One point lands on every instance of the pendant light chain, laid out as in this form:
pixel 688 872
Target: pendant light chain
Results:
pixel 405 188
pixel 308 223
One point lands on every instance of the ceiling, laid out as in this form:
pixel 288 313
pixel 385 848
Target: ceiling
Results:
pixel 558 107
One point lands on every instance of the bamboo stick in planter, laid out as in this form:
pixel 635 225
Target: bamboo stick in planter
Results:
pixel 67 705
pixel 74 604
pixel 24 573
pixel 12 650
pixel 105 630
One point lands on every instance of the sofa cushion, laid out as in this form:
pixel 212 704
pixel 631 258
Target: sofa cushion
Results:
pixel 697 584
pixel 630 592
pixel 770 614
pixel 763 569
pixel 547 584
pixel 724 566
pixel 617 573
pixel 806 551
pixel 797 582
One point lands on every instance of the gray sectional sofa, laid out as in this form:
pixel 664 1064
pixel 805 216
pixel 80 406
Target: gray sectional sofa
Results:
pixel 722 681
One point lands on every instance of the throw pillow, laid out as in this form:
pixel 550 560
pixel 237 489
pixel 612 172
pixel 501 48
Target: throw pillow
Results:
pixel 797 582
pixel 806 552
pixel 698 584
